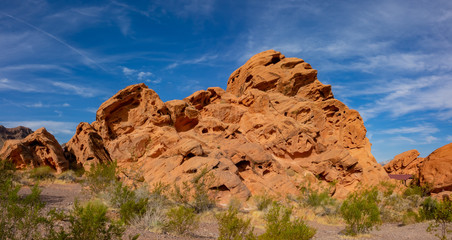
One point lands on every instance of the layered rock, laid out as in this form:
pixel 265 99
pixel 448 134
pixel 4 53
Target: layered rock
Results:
pixel 88 146
pixel 13 133
pixel 276 128
pixel 436 171
pixel 37 149
pixel 407 162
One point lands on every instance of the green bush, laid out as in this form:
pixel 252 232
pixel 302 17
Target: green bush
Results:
pixel 101 176
pixel 360 211
pixel 231 227
pixel 262 201
pixel 443 218
pixel 410 217
pixel 280 227
pixel 199 186
pixel 7 170
pixel 316 199
pixel 68 176
pixel 428 208
pixel 41 173
pixel 181 220
pixel 20 217
pixel 133 208
pixel 91 222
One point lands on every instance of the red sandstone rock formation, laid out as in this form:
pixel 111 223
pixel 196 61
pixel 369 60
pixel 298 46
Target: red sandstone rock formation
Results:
pixel 13 133
pixel 407 162
pixel 37 149
pixel 437 169
pixel 274 129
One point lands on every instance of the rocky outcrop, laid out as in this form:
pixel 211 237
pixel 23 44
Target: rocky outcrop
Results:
pixel 276 128
pixel 407 162
pixel 86 147
pixel 37 149
pixel 437 170
pixel 13 133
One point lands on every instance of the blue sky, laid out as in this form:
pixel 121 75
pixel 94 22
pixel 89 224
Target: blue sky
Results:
pixel 390 60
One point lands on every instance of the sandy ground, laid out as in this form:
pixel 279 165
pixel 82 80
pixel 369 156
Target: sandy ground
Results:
pixel 62 196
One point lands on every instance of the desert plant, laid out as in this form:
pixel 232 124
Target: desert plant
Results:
pixel 410 217
pixel 67 176
pixel 91 222
pixel 7 170
pixel 360 211
pixel 428 208
pixel 133 208
pixel 231 227
pixel 101 176
pixel 279 226
pixel 195 193
pixel 262 201
pixel 41 173
pixel 318 199
pixel 443 218
pixel 19 217
pixel 181 220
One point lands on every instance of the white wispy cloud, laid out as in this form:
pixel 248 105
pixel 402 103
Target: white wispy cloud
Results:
pixel 128 71
pixel 41 105
pixel 75 89
pixel 449 138
pixel 199 60
pixel 424 129
pixel 85 57
pixel 144 75
pixel 6 84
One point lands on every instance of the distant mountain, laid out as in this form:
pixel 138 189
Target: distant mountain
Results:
pixel 13 133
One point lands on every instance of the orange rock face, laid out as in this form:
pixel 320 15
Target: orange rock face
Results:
pixel 408 162
pixel 437 169
pixel 86 147
pixel 37 149
pixel 276 128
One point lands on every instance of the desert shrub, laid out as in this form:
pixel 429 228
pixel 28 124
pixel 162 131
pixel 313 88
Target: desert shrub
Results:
pixel 7 170
pixel 42 173
pixel 133 208
pixel 101 176
pixel 20 217
pixel 410 217
pixel 195 193
pixel 262 201
pixel 67 176
pixel 360 211
pixel 414 190
pixel 428 208
pixel 181 220
pixel 443 218
pixel 231 227
pixel 279 226
pixel 387 188
pixel 90 221
pixel 316 199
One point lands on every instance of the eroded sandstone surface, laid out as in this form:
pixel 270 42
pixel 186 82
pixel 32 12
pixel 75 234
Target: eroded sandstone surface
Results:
pixel 275 128
pixel 37 149
pixel 436 170
pixel 407 162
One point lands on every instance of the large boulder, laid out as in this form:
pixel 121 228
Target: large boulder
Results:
pixel 407 162
pixel 13 133
pixel 436 171
pixel 86 147
pixel 275 129
pixel 37 149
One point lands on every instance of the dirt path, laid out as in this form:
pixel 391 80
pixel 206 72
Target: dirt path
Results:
pixel 62 196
